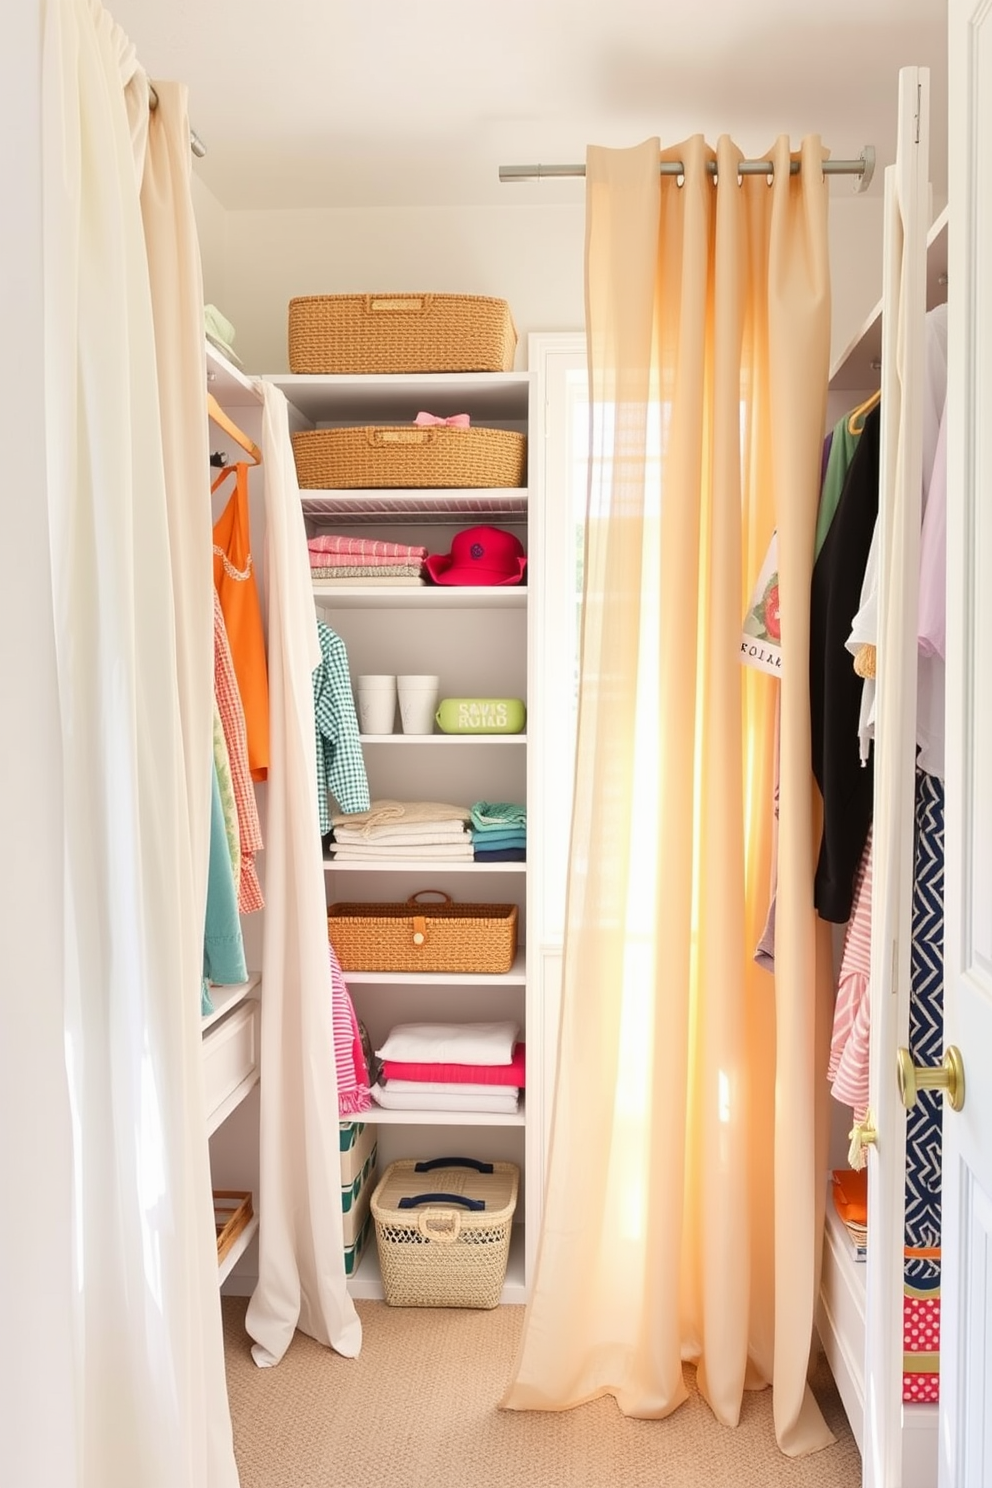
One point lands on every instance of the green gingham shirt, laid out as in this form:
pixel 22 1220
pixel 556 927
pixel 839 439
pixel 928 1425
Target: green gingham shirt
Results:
pixel 340 762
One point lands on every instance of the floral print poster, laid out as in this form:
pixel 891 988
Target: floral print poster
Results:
pixel 761 640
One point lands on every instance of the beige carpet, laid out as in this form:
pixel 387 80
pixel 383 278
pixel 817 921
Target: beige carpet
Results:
pixel 419 1407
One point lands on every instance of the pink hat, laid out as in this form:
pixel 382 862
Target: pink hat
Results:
pixel 479 555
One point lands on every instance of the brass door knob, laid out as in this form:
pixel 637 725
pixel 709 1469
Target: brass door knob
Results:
pixel 948 1077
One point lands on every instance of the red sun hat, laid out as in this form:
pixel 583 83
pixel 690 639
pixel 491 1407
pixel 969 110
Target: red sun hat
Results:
pixel 479 555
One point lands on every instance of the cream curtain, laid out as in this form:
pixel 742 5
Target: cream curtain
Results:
pixel 688 1149
pixel 301 1279
pixel 128 508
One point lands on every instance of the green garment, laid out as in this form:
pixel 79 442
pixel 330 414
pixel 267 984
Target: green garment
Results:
pixel 842 447
pixel 223 947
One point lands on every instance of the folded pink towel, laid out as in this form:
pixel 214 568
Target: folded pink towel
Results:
pixel 320 559
pixel 456 1074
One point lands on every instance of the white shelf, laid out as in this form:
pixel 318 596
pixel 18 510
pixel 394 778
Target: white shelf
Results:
pixel 220 1114
pixel 516 976
pixel 427 597
pixel 419 866
pixel 366 1284
pixel 418 740
pixel 431 504
pixel 238 1249
pixel 381 1117
pixel 382 398
pixel 225 999
pixel 228 383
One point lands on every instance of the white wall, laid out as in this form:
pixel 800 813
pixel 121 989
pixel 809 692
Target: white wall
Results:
pixel 531 256
pixel 211 227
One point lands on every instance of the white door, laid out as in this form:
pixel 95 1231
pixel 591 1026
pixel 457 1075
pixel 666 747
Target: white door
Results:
pixel 966 1239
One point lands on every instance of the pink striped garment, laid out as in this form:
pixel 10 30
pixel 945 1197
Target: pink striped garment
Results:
pixel 848 1067
pixel 349 1060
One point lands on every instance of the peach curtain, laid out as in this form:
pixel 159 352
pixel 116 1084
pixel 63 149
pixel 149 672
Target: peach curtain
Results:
pixel 687 1169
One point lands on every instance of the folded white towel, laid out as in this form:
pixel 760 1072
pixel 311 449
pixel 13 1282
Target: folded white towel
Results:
pixel 453 852
pixel 496 1105
pixel 381 813
pixel 451 1043
pixel 448 1087
pixel 383 837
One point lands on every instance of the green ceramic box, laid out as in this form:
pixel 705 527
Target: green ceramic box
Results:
pixel 481 716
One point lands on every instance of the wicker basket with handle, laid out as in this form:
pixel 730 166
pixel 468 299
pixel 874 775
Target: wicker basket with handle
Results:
pixel 398 456
pixel 414 936
pixel 386 333
pixel 442 1230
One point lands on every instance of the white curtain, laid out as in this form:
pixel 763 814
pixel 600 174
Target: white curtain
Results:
pixel 301 1242
pixel 148 1384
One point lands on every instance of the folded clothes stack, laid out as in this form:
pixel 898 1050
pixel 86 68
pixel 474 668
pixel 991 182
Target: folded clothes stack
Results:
pixel 359 560
pixel 499 832
pixel 452 1067
pixel 421 830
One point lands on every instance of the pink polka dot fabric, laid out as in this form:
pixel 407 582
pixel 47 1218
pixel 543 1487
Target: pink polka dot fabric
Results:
pixel 921 1335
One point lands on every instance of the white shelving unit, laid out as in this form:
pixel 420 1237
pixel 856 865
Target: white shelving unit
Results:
pixel 476 640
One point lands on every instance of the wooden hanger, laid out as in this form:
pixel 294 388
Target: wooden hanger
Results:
pixel 861 413
pixel 230 428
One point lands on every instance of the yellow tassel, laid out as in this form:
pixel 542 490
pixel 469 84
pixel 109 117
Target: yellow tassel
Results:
pixel 864 661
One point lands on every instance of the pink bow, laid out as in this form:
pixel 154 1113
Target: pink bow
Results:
pixel 456 421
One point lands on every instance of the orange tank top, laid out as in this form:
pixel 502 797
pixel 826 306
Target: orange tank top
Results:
pixel 234 579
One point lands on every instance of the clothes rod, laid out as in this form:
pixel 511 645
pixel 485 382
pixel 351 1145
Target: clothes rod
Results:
pixel 863 168
pixel 195 143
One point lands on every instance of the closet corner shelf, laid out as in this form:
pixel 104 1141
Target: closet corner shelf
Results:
pixel 225 999
pixel 429 597
pixel 366 1284
pixel 516 976
pixel 856 369
pixel 238 1249
pixel 423 504
pixel 401 396
pixel 229 385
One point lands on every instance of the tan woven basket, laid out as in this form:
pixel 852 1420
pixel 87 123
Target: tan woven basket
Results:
pixel 406 457
pixel 400 333
pixel 441 1253
pixel 424 937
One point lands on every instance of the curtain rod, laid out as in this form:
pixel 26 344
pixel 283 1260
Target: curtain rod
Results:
pixel 863 168
pixel 195 143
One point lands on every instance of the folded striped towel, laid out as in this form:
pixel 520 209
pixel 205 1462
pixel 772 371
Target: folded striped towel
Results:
pixel 367 547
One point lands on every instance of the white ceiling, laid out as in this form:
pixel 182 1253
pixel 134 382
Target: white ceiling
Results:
pixel 359 103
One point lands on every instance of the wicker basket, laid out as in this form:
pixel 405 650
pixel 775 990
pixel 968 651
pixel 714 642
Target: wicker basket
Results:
pixel 387 456
pixel 363 333
pixel 424 937
pixel 442 1230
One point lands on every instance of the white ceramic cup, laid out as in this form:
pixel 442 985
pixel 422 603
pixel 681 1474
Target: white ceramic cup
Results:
pixel 418 697
pixel 376 704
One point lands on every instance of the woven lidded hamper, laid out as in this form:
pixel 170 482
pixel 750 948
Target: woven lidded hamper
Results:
pixel 442 1229
pixel 398 456
pixel 423 937
pixel 363 333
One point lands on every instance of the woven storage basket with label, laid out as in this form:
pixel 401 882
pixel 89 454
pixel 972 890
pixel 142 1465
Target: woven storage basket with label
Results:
pixel 404 456
pixel 385 333
pixel 414 936
pixel 442 1229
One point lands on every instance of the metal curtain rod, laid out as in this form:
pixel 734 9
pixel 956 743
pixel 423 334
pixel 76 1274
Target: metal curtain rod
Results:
pixel 863 167
pixel 195 143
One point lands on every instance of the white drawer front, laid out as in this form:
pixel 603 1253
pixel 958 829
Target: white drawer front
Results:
pixel 230 1058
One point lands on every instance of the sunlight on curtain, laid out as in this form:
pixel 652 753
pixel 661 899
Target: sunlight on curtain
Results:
pixel 686 1076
